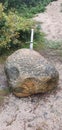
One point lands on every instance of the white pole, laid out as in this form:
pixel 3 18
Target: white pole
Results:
pixel 31 41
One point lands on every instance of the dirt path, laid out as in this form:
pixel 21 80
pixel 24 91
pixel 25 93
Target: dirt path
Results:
pixel 51 20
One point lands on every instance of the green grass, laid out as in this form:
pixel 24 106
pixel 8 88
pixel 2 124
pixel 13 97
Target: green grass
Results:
pixel 3 94
pixel 55 45
pixel 4 56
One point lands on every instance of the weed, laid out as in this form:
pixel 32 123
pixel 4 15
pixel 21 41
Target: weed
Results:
pixel 61 7
pixel 39 128
pixel 54 44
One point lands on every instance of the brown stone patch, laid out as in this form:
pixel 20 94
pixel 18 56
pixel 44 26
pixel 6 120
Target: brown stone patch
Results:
pixel 32 85
pixel 27 88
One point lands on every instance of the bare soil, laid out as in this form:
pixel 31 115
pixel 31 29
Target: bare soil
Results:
pixel 38 112
pixel 51 21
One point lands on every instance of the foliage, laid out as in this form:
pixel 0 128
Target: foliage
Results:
pixel 15 25
pixel 10 26
pixel 28 13
pixel 26 7
pixel 29 3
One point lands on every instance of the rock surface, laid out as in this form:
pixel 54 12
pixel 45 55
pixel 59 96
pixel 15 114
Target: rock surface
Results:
pixel 30 73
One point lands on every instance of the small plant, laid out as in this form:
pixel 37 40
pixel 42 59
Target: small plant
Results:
pixel 53 44
pixel 39 128
pixel 61 7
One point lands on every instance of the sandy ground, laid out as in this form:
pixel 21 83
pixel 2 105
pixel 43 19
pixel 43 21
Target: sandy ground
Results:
pixel 51 20
pixel 39 112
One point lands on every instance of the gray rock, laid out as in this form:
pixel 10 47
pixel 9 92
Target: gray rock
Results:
pixel 29 73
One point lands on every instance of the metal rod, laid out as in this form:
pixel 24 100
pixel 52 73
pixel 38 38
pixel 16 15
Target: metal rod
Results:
pixel 31 41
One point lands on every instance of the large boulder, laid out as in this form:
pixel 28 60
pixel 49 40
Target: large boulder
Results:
pixel 30 73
